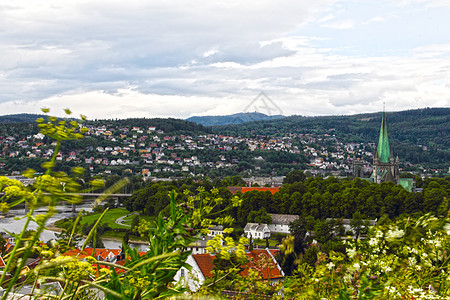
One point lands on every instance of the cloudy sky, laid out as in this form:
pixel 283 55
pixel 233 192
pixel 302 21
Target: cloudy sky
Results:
pixel 178 58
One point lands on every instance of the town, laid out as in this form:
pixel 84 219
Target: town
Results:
pixel 152 154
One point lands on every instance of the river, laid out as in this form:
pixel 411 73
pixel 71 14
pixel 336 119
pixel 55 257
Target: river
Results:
pixel 16 222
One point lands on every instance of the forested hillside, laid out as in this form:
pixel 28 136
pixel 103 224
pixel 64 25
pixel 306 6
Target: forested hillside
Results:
pixel 416 136
pixel 19 118
pixel 27 125
pixel 238 118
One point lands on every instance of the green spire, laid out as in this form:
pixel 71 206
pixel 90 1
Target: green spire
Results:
pixel 384 153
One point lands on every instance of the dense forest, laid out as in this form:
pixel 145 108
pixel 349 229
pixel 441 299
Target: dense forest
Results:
pixel 20 118
pixel 26 124
pixel 311 197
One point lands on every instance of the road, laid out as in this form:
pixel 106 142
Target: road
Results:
pixel 120 220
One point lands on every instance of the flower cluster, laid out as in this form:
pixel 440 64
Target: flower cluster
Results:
pixel 408 259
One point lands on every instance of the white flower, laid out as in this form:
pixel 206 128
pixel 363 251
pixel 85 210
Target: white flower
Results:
pixel 347 278
pixel 330 265
pixel 392 235
pixel 351 252
pixel 373 241
pixel 391 289
pixel 356 266
pixel 447 228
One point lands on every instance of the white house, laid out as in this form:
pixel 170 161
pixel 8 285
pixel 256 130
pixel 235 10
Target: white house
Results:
pixel 192 279
pixel 257 230
pixel 202 265
pixel 215 230
pixel 280 223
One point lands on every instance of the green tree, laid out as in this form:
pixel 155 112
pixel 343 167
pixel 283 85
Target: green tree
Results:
pixel 358 224
pixel 294 176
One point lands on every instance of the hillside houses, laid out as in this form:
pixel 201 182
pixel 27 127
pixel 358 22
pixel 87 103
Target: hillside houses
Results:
pixel 114 147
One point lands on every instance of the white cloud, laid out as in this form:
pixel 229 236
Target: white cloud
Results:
pixel 342 24
pixel 326 18
pixel 377 19
pixel 108 59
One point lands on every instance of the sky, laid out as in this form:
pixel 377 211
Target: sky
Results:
pixel 178 58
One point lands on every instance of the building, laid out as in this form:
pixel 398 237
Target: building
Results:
pixel 385 166
pixel 280 223
pixel 257 231
pixel 203 264
pixel 215 230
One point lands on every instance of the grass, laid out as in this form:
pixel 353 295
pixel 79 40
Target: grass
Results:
pixel 262 243
pixel 128 220
pixel 110 218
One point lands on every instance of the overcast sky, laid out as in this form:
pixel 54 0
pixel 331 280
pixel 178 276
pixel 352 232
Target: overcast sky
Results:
pixel 169 58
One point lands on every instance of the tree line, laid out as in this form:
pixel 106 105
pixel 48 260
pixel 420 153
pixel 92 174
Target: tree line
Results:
pixel 314 197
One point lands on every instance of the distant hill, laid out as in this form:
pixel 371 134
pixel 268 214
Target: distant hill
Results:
pixel 20 118
pixel 238 118
pixel 410 131
pixel 27 125
pixel 168 125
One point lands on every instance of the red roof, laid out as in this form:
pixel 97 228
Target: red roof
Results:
pixel 103 253
pixel 234 189
pixel 257 259
pixel 205 263
pixel 8 247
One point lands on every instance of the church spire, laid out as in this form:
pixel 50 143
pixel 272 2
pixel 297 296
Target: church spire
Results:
pixel 384 153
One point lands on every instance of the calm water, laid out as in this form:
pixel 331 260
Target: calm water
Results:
pixel 15 224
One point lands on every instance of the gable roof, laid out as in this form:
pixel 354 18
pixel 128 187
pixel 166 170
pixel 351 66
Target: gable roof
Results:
pixel 257 261
pixel 407 183
pixel 256 227
pixel 205 263
pixel 283 219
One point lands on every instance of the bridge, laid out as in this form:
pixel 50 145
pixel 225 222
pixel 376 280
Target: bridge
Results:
pixel 93 196
pixel 90 197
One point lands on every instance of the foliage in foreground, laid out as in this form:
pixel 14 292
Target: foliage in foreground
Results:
pixel 147 276
pixel 408 259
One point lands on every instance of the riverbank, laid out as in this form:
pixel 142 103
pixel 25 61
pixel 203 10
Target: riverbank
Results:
pixel 54 228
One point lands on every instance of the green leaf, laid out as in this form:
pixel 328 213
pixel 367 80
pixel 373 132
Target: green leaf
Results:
pixel 94 229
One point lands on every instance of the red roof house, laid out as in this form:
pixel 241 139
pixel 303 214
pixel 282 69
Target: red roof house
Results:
pixel 261 260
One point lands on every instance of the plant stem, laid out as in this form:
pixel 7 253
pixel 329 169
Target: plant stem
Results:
pixel 22 233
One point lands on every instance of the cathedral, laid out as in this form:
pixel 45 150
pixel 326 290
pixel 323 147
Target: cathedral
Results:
pixel 385 166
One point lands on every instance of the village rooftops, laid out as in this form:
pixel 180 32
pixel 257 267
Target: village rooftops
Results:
pixel 205 263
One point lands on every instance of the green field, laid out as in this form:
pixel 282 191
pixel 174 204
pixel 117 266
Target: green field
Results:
pixel 109 218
